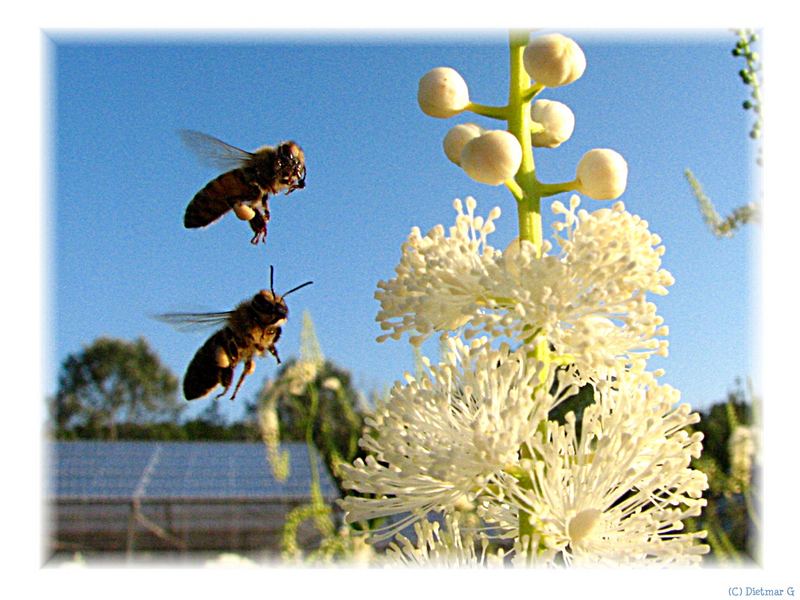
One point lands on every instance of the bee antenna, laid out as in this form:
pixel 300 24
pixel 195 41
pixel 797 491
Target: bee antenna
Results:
pixel 294 289
pixel 272 279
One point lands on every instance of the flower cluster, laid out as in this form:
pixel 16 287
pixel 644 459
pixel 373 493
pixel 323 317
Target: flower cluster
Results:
pixel 440 278
pixel 589 300
pixel 612 489
pixel 494 156
pixel 599 490
pixel 539 325
pixel 441 440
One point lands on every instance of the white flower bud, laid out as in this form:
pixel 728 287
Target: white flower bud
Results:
pixel 558 122
pixel 554 60
pixel 442 93
pixel 602 174
pixel 332 383
pixel 492 158
pixel 457 138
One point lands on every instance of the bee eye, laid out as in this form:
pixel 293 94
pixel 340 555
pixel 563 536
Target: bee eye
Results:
pixel 260 302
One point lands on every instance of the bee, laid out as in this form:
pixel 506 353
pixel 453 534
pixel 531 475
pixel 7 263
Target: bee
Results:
pixel 247 184
pixel 247 331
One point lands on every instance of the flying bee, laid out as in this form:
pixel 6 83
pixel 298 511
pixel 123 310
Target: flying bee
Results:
pixel 250 178
pixel 247 331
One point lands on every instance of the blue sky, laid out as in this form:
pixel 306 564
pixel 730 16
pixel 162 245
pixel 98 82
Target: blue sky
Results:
pixel 121 179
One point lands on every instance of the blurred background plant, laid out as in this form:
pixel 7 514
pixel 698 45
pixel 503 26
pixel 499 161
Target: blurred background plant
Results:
pixel 731 460
pixel 314 401
pixel 750 76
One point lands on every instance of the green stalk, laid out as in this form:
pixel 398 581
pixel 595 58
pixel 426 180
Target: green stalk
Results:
pixel 519 124
pixel 528 200
pixel 493 112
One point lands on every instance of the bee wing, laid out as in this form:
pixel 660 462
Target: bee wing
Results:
pixel 195 321
pixel 213 151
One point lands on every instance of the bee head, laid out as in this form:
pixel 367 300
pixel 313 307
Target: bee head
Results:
pixel 270 305
pixel 294 159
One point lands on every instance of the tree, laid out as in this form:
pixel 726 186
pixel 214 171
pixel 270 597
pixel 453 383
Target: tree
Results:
pixel 110 382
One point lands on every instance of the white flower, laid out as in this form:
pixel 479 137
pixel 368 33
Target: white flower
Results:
pixel 558 122
pixel 457 138
pixel 442 93
pixel 589 301
pixel 442 437
pixel 332 383
pixel 492 158
pixel 616 488
pixel 440 278
pixel 270 434
pixel 602 174
pixel 554 60
pixel 437 546
pixel 300 374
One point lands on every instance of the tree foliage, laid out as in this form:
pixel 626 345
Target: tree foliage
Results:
pixel 112 382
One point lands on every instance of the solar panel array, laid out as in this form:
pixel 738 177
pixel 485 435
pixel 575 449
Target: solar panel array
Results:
pixel 86 470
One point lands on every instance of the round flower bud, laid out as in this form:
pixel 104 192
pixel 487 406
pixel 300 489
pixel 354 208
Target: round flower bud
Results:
pixel 554 60
pixel 602 174
pixel 558 122
pixel 457 138
pixel 492 158
pixel 243 211
pixel 442 93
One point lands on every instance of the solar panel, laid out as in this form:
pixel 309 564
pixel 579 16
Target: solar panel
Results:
pixel 87 470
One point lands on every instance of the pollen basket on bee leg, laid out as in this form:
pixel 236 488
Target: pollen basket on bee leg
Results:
pixel 221 357
pixel 243 211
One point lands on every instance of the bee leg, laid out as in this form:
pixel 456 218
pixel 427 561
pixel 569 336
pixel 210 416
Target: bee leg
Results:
pixel 249 367
pixel 259 226
pixel 225 379
pixel 274 351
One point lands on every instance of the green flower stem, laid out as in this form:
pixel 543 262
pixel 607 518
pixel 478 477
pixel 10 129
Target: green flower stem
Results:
pixel 529 214
pixel 519 124
pixel 551 189
pixel 533 91
pixel 321 515
pixel 515 190
pixel 485 110
pixel 751 509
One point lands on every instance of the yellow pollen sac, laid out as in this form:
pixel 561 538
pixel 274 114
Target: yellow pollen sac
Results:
pixel 250 368
pixel 582 524
pixel 221 357
pixel 244 212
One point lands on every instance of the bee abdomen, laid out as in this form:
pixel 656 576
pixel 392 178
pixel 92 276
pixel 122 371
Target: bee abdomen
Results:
pixel 218 197
pixel 204 373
